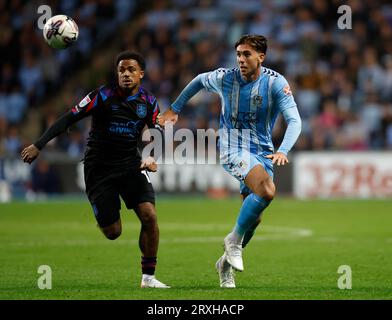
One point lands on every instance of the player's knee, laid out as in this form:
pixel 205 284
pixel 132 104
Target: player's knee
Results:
pixel 112 232
pixel 270 192
pixel 266 189
pixel 147 215
pixel 148 218
pixel 112 235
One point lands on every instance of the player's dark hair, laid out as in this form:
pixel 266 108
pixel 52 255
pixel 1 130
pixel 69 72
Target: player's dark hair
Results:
pixel 257 42
pixel 131 55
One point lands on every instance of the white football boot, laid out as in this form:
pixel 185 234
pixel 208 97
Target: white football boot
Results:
pixel 233 253
pixel 149 281
pixel 226 273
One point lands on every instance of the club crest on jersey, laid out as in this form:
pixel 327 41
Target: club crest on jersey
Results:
pixel 258 100
pixel 141 110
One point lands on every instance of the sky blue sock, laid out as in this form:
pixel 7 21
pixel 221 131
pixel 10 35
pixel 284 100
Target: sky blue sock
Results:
pixel 251 209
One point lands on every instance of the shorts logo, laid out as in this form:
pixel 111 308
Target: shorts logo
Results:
pixel 141 110
pixel 243 165
pixel 95 209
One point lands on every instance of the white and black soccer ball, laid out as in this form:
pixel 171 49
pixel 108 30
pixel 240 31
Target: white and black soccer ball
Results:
pixel 61 31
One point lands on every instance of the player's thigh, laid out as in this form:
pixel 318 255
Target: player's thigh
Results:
pixel 136 188
pixel 106 205
pixel 259 182
pixel 255 172
pixel 257 161
pixel 238 164
pixel 242 163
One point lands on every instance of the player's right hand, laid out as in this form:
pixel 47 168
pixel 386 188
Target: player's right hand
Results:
pixel 30 153
pixel 149 164
pixel 279 158
pixel 168 116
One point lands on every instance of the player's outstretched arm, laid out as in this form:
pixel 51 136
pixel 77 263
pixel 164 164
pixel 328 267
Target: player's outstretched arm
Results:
pixel 193 87
pixel 30 153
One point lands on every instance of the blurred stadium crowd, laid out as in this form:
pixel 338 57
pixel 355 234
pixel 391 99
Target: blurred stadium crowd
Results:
pixel 341 79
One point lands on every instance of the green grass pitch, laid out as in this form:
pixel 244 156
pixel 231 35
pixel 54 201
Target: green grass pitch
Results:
pixel 295 254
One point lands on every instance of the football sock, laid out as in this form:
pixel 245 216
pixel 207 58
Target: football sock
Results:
pixel 248 235
pixel 148 265
pixel 251 209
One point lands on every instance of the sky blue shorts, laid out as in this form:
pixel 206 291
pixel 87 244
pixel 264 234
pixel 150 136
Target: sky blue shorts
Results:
pixel 239 164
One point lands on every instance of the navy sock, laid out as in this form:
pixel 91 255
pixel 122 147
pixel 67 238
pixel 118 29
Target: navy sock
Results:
pixel 148 265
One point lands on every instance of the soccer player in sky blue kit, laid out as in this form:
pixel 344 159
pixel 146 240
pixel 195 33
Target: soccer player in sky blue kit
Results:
pixel 252 96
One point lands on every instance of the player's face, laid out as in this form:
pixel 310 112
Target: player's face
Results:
pixel 130 75
pixel 249 61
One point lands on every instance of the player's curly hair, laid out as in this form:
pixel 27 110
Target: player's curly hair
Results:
pixel 131 55
pixel 257 42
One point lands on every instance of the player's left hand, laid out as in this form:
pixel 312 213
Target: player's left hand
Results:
pixel 168 116
pixel 149 164
pixel 279 158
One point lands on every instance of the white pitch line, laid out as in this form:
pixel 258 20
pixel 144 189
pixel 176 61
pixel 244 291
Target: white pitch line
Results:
pixel 270 233
pixel 169 226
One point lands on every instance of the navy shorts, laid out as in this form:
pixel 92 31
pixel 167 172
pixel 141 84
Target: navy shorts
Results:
pixel 104 190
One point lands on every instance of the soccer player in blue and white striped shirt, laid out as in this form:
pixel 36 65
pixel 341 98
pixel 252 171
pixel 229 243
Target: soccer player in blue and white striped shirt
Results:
pixel 252 96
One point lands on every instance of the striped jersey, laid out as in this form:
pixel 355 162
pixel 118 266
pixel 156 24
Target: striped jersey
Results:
pixel 250 108
pixel 117 124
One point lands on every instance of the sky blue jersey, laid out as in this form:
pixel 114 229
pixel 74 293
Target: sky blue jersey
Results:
pixel 249 109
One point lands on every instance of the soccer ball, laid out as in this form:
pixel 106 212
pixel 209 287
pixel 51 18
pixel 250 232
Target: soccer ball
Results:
pixel 60 32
